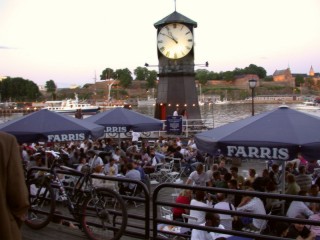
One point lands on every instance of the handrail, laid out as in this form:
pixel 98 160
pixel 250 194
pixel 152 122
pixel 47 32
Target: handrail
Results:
pixel 159 220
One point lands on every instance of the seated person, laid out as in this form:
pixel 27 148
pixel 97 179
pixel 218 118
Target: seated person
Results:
pixel 299 208
pixel 131 174
pixel 199 177
pixel 199 201
pixel 211 220
pixel 111 168
pixel 183 198
pixel 300 231
pixel 253 205
pixel 225 219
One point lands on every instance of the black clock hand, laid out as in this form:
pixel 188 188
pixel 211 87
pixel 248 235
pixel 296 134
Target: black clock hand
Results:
pixel 169 37
pixel 172 37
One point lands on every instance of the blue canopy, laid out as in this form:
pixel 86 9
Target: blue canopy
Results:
pixel 49 126
pixel 277 135
pixel 123 120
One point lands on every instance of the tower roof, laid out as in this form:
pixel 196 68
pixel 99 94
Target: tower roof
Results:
pixel 175 17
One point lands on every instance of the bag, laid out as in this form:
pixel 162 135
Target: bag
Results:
pixel 237 224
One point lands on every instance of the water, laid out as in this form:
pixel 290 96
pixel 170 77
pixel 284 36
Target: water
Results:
pixel 217 114
pixel 223 114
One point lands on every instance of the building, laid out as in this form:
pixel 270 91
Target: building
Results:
pixel 284 76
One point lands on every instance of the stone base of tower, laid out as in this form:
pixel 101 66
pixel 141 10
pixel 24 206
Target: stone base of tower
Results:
pixel 177 92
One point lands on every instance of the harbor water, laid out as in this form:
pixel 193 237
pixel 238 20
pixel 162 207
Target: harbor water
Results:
pixel 212 115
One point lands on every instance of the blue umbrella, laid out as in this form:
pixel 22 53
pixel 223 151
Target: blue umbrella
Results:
pixel 49 126
pixel 277 135
pixel 123 120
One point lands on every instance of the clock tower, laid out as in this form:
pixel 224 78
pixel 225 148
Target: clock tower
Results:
pixel 176 87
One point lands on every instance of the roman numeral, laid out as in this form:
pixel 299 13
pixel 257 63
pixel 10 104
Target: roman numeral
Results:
pixel 174 25
pixel 175 55
pixel 162 49
pixel 167 54
pixel 188 32
pixel 189 40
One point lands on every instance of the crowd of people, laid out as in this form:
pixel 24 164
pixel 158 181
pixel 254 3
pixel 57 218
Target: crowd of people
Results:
pixel 301 178
pixel 107 157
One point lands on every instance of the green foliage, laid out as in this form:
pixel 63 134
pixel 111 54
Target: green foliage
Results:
pixel 299 80
pixel 51 88
pixel 141 73
pixel 152 79
pixel 203 75
pixel 268 79
pixel 108 73
pixel 19 90
pixel 124 77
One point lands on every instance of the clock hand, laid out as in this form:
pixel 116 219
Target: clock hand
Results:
pixel 171 37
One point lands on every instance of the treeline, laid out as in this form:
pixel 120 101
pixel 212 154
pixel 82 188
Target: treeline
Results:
pixel 19 89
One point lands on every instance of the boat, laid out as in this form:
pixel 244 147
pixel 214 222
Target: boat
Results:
pixel 219 102
pixel 70 106
pixel 308 105
pixel 150 101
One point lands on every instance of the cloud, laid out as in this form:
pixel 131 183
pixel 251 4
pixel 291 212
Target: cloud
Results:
pixel 6 47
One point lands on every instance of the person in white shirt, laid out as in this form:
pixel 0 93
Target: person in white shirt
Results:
pixel 299 208
pixel 199 202
pixel 176 112
pixel 253 205
pixel 111 169
pixel 223 204
pixel 199 177
pixel 212 220
pixel 94 160
pixel 135 137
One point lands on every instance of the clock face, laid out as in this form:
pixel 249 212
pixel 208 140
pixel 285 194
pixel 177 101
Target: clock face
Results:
pixel 175 40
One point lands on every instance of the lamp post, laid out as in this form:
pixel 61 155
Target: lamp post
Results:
pixel 252 85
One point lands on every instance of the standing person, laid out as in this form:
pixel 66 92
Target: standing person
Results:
pixel 176 112
pixel 14 200
pixel 135 137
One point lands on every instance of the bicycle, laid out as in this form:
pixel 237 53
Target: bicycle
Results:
pixel 95 209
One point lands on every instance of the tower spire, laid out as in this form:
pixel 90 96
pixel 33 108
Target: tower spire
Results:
pixel 175 5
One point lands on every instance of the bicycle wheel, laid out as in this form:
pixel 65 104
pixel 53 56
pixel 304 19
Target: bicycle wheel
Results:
pixel 42 203
pixel 104 215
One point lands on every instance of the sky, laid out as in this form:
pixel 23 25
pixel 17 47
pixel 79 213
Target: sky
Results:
pixel 71 41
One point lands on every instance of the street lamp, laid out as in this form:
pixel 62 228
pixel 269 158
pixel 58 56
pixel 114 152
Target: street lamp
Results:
pixel 252 85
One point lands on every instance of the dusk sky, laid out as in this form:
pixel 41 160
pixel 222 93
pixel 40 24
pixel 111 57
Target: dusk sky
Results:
pixel 69 40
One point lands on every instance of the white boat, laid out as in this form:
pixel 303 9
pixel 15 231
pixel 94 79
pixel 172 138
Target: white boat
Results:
pixel 201 103
pixel 308 105
pixel 70 106
pixel 150 101
pixel 219 102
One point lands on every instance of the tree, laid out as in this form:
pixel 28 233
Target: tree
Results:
pixel 141 73
pixel 51 88
pixel 124 77
pixel 254 69
pixel 299 80
pixel 108 73
pixel 152 79
pixel 202 76
pixel 19 89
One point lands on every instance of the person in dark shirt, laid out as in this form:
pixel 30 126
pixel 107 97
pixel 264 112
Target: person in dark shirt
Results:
pixel 300 231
